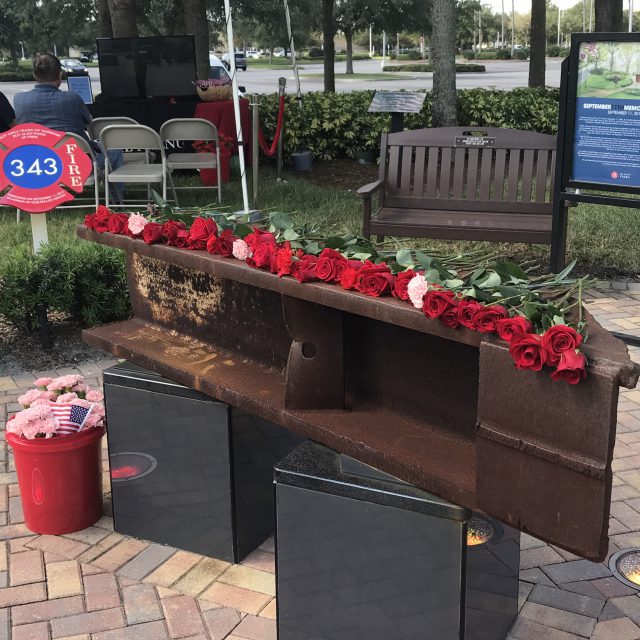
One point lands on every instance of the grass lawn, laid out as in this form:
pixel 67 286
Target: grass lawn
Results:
pixel 604 240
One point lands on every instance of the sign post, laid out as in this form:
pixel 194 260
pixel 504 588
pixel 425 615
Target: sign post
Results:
pixel 598 160
pixel 35 164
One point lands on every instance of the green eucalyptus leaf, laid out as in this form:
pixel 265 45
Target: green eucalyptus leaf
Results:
pixel 280 220
pixel 361 256
pixel 492 281
pixel 453 284
pixel 312 248
pixel 404 258
pixel 242 231
pixel 290 234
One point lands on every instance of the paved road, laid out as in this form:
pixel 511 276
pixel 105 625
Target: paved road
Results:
pixel 499 74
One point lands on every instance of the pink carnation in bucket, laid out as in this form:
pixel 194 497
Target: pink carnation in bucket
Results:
pixel 43 382
pixel 66 397
pixel 27 399
pixel 93 395
pixel 33 422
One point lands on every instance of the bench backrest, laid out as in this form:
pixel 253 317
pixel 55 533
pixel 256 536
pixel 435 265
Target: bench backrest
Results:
pixel 468 169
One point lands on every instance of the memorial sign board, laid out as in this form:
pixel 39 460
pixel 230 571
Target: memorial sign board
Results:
pixel 82 86
pixel 397 102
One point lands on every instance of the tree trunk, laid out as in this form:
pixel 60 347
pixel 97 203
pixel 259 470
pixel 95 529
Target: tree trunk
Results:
pixel 329 31
pixel 348 35
pixel 443 55
pixel 609 15
pixel 123 18
pixel 195 17
pixel 537 53
pixel 104 20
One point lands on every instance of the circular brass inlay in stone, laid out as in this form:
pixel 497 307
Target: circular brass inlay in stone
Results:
pixel 479 531
pixel 625 565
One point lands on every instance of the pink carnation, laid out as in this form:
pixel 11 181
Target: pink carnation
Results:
pixel 241 250
pixel 80 388
pixel 43 382
pixel 29 398
pixel 137 223
pixel 64 382
pixel 416 289
pixel 81 402
pixel 66 397
pixel 94 395
pixel 37 420
pixel 95 417
pixel 41 401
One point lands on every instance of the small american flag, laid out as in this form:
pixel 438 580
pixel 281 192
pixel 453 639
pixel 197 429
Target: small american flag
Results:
pixel 70 417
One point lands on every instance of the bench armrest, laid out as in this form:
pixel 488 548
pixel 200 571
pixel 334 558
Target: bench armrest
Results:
pixel 369 189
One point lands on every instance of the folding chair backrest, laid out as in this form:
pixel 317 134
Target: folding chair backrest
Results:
pixel 96 126
pixel 83 143
pixel 130 136
pixel 189 129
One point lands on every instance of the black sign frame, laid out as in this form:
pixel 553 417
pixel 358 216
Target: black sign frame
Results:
pixel 564 186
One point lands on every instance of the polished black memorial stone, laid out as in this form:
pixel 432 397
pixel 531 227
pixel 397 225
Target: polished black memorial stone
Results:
pixel 363 555
pixel 186 470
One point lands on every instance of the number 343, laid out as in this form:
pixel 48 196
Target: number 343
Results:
pixel 50 168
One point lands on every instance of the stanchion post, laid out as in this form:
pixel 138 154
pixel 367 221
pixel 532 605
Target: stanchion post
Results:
pixel 255 112
pixel 282 85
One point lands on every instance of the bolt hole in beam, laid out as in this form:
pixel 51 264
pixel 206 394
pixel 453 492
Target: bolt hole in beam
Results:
pixel 308 350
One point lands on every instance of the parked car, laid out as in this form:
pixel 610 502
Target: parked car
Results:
pixel 241 61
pixel 253 53
pixel 73 67
pixel 218 68
pixel 279 53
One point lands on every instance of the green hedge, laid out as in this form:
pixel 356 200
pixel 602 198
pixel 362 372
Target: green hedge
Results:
pixel 338 124
pixel 83 280
pixel 427 67
pixel 16 76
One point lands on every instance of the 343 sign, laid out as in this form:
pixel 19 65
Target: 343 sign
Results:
pixel 36 164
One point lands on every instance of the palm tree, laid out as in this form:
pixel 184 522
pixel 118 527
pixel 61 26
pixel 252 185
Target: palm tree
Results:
pixel 123 18
pixel 537 53
pixel 443 54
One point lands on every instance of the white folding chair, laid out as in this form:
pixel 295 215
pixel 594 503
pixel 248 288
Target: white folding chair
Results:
pixel 92 180
pixel 95 127
pixel 192 129
pixel 135 136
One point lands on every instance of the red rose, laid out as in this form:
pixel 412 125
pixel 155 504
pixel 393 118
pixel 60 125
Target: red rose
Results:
pixel 284 261
pixel 304 270
pixel 259 237
pixel 571 367
pixel 450 318
pixel 467 310
pixel 401 283
pixel 508 327
pixel 118 223
pixel 88 221
pixel 559 339
pixel 485 319
pixel 200 231
pixel 101 219
pixel 436 302
pixel 331 265
pixel 375 279
pixel 224 244
pixel 170 230
pixel 527 351
pixel 152 232
pixel 211 244
pixel 181 240
pixel 262 255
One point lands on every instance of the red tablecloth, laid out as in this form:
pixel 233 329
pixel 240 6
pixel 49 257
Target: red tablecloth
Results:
pixel 221 114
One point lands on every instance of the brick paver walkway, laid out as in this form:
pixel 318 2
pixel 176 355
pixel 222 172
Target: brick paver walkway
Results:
pixel 100 585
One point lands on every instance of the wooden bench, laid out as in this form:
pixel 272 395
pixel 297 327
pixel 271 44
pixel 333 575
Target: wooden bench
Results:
pixel 456 184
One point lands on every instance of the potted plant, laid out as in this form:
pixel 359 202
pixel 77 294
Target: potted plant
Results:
pixel 56 445
pixel 209 177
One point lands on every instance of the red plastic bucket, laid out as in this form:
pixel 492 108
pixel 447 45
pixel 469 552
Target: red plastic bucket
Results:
pixel 60 480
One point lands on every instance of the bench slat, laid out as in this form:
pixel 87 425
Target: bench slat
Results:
pixel 501 164
pixel 405 171
pixel 418 177
pixel 393 201
pixel 527 175
pixel 514 175
pixel 485 174
pixel 458 173
pixel 542 175
pixel 392 170
pixel 432 172
pixel 444 189
pixel 472 174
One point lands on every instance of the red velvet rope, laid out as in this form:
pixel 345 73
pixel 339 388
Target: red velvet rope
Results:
pixel 271 151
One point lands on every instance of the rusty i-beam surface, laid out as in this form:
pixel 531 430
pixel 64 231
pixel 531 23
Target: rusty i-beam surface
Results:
pixel 374 379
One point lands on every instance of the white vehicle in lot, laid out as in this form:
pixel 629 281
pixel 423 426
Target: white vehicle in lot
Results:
pixel 252 53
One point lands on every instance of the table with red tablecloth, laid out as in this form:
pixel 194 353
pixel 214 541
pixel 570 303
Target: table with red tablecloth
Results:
pixel 221 114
